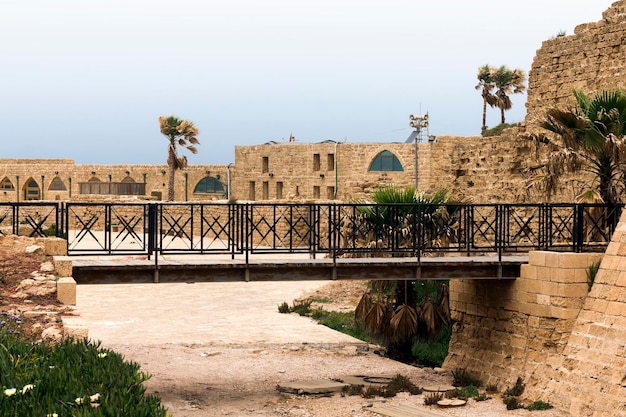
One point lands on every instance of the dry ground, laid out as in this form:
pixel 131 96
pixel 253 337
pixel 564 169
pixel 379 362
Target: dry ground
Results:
pixel 239 380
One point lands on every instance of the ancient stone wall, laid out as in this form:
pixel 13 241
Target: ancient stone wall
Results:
pixel 59 179
pixel 590 60
pixel 506 329
pixel 568 346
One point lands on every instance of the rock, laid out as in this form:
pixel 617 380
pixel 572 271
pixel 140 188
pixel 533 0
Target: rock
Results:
pixel 33 249
pixel 26 283
pixel 47 267
pixel 52 333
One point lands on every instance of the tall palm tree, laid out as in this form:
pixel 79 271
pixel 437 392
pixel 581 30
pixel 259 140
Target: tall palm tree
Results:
pixel 179 133
pixel 507 81
pixel 592 138
pixel 486 86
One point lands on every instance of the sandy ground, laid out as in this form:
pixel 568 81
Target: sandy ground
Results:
pixel 221 349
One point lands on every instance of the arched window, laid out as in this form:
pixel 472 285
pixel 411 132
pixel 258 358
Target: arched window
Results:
pixel 209 185
pixel 7 185
pixel 94 179
pixel 386 161
pixel 31 190
pixel 128 180
pixel 57 184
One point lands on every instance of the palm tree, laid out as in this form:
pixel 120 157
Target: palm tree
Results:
pixel 486 86
pixel 592 138
pixel 178 132
pixel 507 81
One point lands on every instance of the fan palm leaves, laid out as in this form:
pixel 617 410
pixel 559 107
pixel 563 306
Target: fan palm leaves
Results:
pixel 179 133
pixel 507 81
pixel 589 137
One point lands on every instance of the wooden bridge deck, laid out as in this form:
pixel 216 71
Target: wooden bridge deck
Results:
pixel 207 268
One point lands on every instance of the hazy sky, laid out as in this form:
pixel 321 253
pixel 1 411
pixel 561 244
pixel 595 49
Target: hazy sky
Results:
pixel 88 79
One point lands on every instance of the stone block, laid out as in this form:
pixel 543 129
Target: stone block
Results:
pixel 528 271
pixel 74 327
pixel 66 290
pixel 537 258
pixel 63 266
pixel 53 245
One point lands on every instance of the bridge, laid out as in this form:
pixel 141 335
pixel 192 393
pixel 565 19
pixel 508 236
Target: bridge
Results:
pixel 263 241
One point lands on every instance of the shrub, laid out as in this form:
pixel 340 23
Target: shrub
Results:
pixel 75 378
pixel 464 393
pixel 283 308
pixel 496 131
pixel 433 398
pixel 432 352
pixel 461 378
pixel 539 405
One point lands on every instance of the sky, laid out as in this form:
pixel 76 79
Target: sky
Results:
pixel 87 80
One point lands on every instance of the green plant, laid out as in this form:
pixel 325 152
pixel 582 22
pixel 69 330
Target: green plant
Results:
pixel 77 378
pixel 433 398
pixel 539 405
pixel 401 383
pixel 352 389
pixel 432 352
pixel 464 393
pixel 461 378
pixel 283 308
pixel 496 131
pixel 592 271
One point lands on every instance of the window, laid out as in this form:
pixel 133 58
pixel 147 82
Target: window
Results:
pixel 330 193
pixel 266 164
pixel 31 191
pixel 316 191
pixel 266 190
pixel 209 185
pixel 316 162
pixel 57 185
pixel 252 191
pixel 279 190
pixel 330 159
pixel 7 184
pixel 386 161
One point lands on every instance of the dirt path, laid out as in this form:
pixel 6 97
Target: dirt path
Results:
pixel 221 349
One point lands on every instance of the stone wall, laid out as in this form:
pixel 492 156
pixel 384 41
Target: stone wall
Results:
pixel 506 329
pixel 568 346
pixel 589 378
pixel 59 179
pixel 591 59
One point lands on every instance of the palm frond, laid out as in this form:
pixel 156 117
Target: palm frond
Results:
pixel 404 322
pixel 363 307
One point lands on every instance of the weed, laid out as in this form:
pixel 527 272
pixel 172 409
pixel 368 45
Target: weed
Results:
pixel 461 378
pixel 432 352
pixel 464 393
pixel 433 398
pixel 401 383
pixel 283 308
pixel 592 271
pixel 481 397
pixel 352 390
pixel 539 405
pixel 302 307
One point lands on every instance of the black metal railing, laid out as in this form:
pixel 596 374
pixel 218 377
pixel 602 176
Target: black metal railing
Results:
pixel 314 229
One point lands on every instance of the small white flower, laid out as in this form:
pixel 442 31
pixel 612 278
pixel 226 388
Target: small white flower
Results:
pixel 102 355
pixel 10 391
pixel 79 400
pixel 27 388
pixel 94 397
pixel 52 415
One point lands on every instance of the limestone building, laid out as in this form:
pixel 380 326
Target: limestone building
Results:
pixel 476 169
